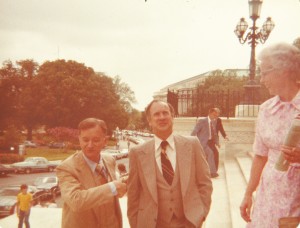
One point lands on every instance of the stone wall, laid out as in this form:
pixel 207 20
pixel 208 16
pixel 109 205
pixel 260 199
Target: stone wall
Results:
pixel 240 132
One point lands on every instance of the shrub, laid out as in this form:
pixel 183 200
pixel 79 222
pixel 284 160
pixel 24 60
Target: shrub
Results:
pixel 10 158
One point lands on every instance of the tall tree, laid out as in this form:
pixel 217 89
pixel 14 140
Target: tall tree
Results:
pixel 297 42
pixel 126 95
pixel 28 68
pixel 9 87
pixel 67 92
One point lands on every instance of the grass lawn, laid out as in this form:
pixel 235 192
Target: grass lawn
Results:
pixel 50 154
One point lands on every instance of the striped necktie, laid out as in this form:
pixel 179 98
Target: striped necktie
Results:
pixel 100 169
pixel 167 168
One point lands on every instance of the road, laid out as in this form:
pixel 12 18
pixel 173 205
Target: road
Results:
pixel 14 179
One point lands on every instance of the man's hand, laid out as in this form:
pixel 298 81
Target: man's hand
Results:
pixel 121 188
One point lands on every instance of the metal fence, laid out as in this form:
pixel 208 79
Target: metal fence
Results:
pixel 197 102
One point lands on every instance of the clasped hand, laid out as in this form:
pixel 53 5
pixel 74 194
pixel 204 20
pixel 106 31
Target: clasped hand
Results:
pixel 121 187
pixel 291 154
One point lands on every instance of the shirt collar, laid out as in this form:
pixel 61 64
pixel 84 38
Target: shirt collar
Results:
pixel 91 163
pixel 276 103
pixel 170 140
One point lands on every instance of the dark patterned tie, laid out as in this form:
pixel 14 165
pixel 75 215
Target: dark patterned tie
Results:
pixel 100 169
pixel 167 168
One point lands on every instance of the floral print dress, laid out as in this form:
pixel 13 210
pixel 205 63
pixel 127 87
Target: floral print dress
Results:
pixel 278 193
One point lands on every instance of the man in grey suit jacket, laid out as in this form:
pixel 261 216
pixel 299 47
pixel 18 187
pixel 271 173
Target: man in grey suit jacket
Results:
pixel 205 130
pixel 88 182
pixel 185 200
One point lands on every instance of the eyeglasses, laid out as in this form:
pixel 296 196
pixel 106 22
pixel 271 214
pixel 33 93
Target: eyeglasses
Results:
pixel 266 72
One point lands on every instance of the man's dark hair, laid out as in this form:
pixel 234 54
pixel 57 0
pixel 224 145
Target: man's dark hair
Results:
pixel 211 110
pixel 23 186
pixel 91 123
pixel 147 110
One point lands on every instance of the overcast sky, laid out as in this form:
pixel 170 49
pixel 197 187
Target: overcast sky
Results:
pixel 148 44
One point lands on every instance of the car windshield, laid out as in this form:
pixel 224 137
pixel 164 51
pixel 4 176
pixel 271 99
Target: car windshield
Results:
pixel 43 180
pixel 9 192
pixel 111 151
pixel 30 160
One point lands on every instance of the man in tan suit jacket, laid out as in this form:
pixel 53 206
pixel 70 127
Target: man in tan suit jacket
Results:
pixel 90 194
pixel 154 202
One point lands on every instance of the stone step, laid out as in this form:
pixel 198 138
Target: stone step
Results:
pixel 251 154
pixel 236 186
pixel 245 163
pixel 219 215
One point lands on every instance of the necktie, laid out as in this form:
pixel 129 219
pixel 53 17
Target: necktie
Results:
pixel 100 169
pixel 167 168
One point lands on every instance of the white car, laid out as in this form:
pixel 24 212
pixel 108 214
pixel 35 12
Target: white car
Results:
pixel 35 164
pixel 29 144
pixel 117 154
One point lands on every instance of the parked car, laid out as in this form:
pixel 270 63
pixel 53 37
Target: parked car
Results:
pixel 5 169
pixel 117 154
pixel 57 145
pixel 136 140
pixel 47 184
pixel 29 144
pixel 8 198
pixel 35 164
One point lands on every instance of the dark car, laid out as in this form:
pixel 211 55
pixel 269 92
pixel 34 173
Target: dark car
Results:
pixel 29 144
pixel 8 198
pixel 57 145
pixel 5 169
pixel 47 184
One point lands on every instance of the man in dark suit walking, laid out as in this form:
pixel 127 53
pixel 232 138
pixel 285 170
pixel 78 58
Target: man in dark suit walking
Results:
pixel 220 128
pixel 205 130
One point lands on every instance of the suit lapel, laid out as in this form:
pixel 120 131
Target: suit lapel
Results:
pixel 148 164
pixel 184 159
pixel 83 169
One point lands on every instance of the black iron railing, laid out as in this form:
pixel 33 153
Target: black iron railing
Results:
pixel 196 102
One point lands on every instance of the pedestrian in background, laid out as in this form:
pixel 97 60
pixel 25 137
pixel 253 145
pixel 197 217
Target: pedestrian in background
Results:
pixel 205 130
pixel 24 203
pixel 219 129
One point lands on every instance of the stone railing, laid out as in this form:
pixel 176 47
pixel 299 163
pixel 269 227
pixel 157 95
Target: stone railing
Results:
pixel 240 132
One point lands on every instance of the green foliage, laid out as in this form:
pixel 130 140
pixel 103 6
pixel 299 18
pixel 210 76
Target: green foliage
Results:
pixel 223 81
pixel 125 93
pixel 297 42
pixel 60 93
pixel 12 136
pixel 10 158
pixel 74 92
pixel 16 97
pixel 136 120
pixel 64 134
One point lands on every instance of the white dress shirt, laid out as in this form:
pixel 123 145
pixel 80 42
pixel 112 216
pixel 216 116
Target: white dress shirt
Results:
pixel 170 150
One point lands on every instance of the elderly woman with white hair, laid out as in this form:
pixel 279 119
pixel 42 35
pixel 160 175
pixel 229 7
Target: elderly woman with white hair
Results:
pixel 277 192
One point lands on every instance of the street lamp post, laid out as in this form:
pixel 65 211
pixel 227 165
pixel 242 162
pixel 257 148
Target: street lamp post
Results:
pixel 254 36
